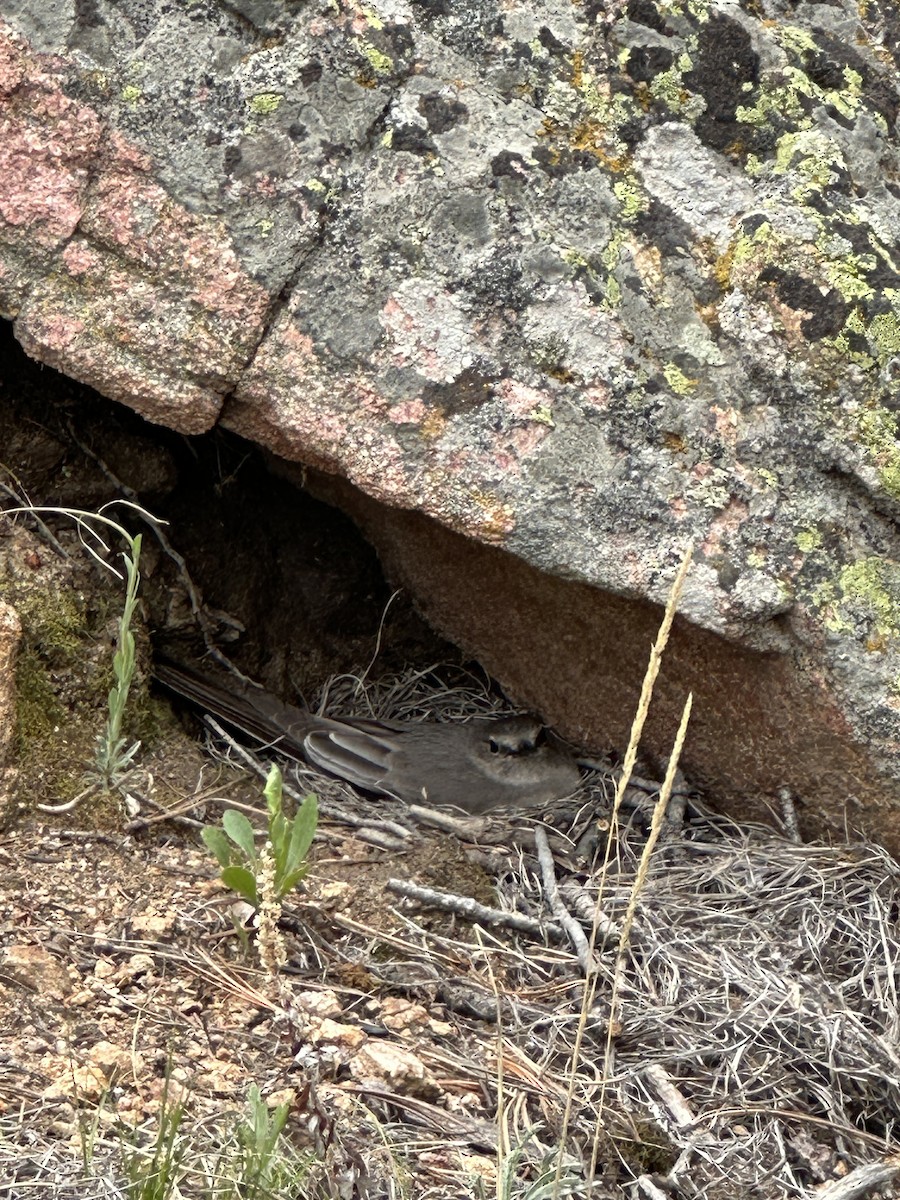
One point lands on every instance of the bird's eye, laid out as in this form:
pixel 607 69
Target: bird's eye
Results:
pixel 495 746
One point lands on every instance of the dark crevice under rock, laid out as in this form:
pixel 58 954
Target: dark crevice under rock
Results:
pixel 300 593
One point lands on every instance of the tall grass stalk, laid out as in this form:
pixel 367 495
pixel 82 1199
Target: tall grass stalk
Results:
pixel 590 983
pixel 113 755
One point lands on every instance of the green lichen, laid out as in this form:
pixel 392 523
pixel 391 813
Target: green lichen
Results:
pixel 884 332
pixel 841 344
pixel 609 258
pixel 786 102
pixel 611 252
pixel 612 112
pixel 131 94
pixel 848 101
pixel 855 323
pixel 769 478
pixel 798 43
pixel 871 589
pixel 263 104
pixel 846 276
pixel 630 196
pixel 808 540
pixel 878 432
pixel 680 384
pixel 744 249
pixel 811 158
pixel 795 40
pixel 377 59
pixel 668 88
pixel 777 105
pixel 543 414
pixel 574 258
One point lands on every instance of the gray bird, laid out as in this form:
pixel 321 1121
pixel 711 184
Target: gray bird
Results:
pixel 475 766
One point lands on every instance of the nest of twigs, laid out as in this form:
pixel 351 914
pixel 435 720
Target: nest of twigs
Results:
pixel 743 1039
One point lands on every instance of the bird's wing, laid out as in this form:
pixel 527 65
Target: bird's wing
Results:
pixel 359 752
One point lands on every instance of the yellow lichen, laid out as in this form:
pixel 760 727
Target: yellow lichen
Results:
pixel 680 384
pixel 263 104
pixel 808 540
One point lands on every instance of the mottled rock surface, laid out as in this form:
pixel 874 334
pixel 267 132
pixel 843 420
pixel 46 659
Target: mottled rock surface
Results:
pixel 582 287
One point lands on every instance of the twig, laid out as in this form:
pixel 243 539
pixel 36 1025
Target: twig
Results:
pixel 46 533
pixel 676 809
pixel 680 1112
pixel 862 1180
pixel 69 805
pixel 559 910
pixel 585 909
pixel 460 827
pixel 465 906
pixel 174 817
pixel 198 608
pixel 648 1188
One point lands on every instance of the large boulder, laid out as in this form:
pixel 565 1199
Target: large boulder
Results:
pixel 580 284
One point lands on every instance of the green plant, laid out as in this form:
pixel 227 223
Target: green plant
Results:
pixel 235 850
pixel 88 1133
pixel 113 754
pixel 242 1156
pixel 155 1176
pixel 258 1164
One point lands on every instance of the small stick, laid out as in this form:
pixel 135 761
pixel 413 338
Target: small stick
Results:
pixel 585 909
pixel 465 906
pixel 45 531
pixel 648 1188
pixel 69 805
pixel 680 1112
pixel 862 1180
pixel 586 959
pixel 460 827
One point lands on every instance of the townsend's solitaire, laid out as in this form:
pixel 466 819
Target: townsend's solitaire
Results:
pixel 474 765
